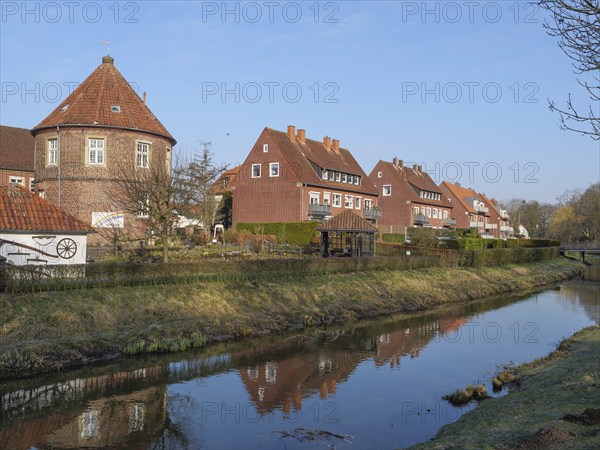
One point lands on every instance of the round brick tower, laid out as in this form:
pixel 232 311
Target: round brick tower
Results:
pixel 82 145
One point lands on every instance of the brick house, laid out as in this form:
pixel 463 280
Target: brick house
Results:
pixel 17 148
pixel 33 231
pixel 289 178
pixel 470 209
pixel 80 147
pixel 500 218
pixel 408 197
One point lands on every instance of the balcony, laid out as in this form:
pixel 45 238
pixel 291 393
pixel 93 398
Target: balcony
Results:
pixel 420 219
pixel 475 224
pixel 482 209
pixel 491 226
pixel 506 228
pixel 449 223
pixel 372 213
pixel 319 211
pixel 504 214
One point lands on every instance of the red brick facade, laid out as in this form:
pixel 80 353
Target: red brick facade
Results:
pixel 469 209
pixel 408 197
pixel 287 195
pixel 16 157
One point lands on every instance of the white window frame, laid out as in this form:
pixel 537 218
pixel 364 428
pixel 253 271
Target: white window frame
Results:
pixel 338 176
pixel 325 174
pixel 356 180
pixel 386 190
pixel 327 198
pixel 435 213
pixel 142 159
pixel 416 211
pixel 32 184
pixel 273 165
pixel 254 166
pixel 357 202
pixel 52 152
pixel 143 207
pixel 314 198
pixel 265 148
pixel 445 214
pixel 379 174
pixel 337 201
pixel 17 180
pixel 98 152
pixel 428 212
pixel 349 201
pixel 368 203
pixel 344 178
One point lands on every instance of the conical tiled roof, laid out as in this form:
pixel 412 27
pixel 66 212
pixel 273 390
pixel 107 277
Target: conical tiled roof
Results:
pixel 93 102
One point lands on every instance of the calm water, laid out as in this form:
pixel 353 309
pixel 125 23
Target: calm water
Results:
pixel 375 384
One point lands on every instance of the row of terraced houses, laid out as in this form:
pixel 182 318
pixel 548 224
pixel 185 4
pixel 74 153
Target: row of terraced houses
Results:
pixel 70 159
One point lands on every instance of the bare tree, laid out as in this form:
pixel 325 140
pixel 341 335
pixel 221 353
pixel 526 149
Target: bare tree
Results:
pixel 149 193
pixel 197 198
pixel 576 24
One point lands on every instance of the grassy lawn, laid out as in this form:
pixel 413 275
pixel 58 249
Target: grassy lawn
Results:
pixel 46 332
pixel 554 404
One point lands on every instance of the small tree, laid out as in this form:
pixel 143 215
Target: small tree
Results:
pixel 196 195
pixel 149 193
pixel 576 24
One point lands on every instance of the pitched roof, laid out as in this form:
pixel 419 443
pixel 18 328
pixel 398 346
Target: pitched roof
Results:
pixel 301 155
pixel 226 181
pixel 412 182
pixel 347 221
pixel 93 100
pixel 22 210
pixel 16 149
pixel 461 194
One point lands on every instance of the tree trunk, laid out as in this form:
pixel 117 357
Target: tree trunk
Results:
pixel 165 246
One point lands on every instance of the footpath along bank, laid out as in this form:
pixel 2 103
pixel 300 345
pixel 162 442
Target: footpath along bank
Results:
pixel 55 330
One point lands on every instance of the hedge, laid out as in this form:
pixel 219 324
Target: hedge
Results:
pixel 55 278
pixel 393 237
pixel 300 233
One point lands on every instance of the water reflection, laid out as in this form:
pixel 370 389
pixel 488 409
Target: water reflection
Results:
pixel 378 374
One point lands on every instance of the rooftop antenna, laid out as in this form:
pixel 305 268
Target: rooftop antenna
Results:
pixel 108 44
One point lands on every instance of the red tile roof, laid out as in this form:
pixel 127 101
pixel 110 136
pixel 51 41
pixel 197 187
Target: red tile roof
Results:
pixel 301 155
pixel 22 210
pixel 91 104
pixel 412 182
pixel 461 194
pixel 16 149
pixel 348 221
pixel 226 181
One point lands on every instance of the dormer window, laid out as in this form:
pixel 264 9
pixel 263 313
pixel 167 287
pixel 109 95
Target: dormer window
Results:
pixel 325 174
pixel 115 108
pixel 64 108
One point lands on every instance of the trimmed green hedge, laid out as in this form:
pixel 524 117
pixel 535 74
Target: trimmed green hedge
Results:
pixel 300 233
pixel 393 237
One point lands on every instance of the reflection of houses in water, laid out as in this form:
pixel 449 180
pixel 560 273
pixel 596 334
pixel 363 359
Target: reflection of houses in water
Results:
pixel 284 382
pixel 114 410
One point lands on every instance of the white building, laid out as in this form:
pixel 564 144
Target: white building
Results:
pixel 33 231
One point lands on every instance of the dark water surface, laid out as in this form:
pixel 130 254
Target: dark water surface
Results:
pixel 375 384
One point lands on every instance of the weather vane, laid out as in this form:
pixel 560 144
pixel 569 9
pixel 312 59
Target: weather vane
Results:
pixel 108 44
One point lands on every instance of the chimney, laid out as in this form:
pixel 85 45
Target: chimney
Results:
pixel 302 136
pixel 327 142
pixel 144 99
pixel 457 184
pixel 421 169
pixel 401 164
pixel 395 162
pixel 291 132
pixel 416 168
pixel 108 60
pixel 336 145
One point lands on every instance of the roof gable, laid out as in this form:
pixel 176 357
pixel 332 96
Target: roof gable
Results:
pixel 17 148
pixel 22 210
pixel 462 194
pixel 93 101
pixel 305 156
pixel 347 221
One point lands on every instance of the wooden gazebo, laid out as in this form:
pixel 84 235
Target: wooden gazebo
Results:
pixel 347 234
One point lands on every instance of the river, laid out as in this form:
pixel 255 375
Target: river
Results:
pixel 371 384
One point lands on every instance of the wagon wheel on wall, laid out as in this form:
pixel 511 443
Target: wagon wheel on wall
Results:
pixel 66 248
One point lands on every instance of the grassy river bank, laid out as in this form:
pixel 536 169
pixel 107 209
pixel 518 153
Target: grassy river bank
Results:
pixel 53 331
pixel 553 403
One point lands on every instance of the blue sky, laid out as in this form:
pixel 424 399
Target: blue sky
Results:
pixel 460 87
